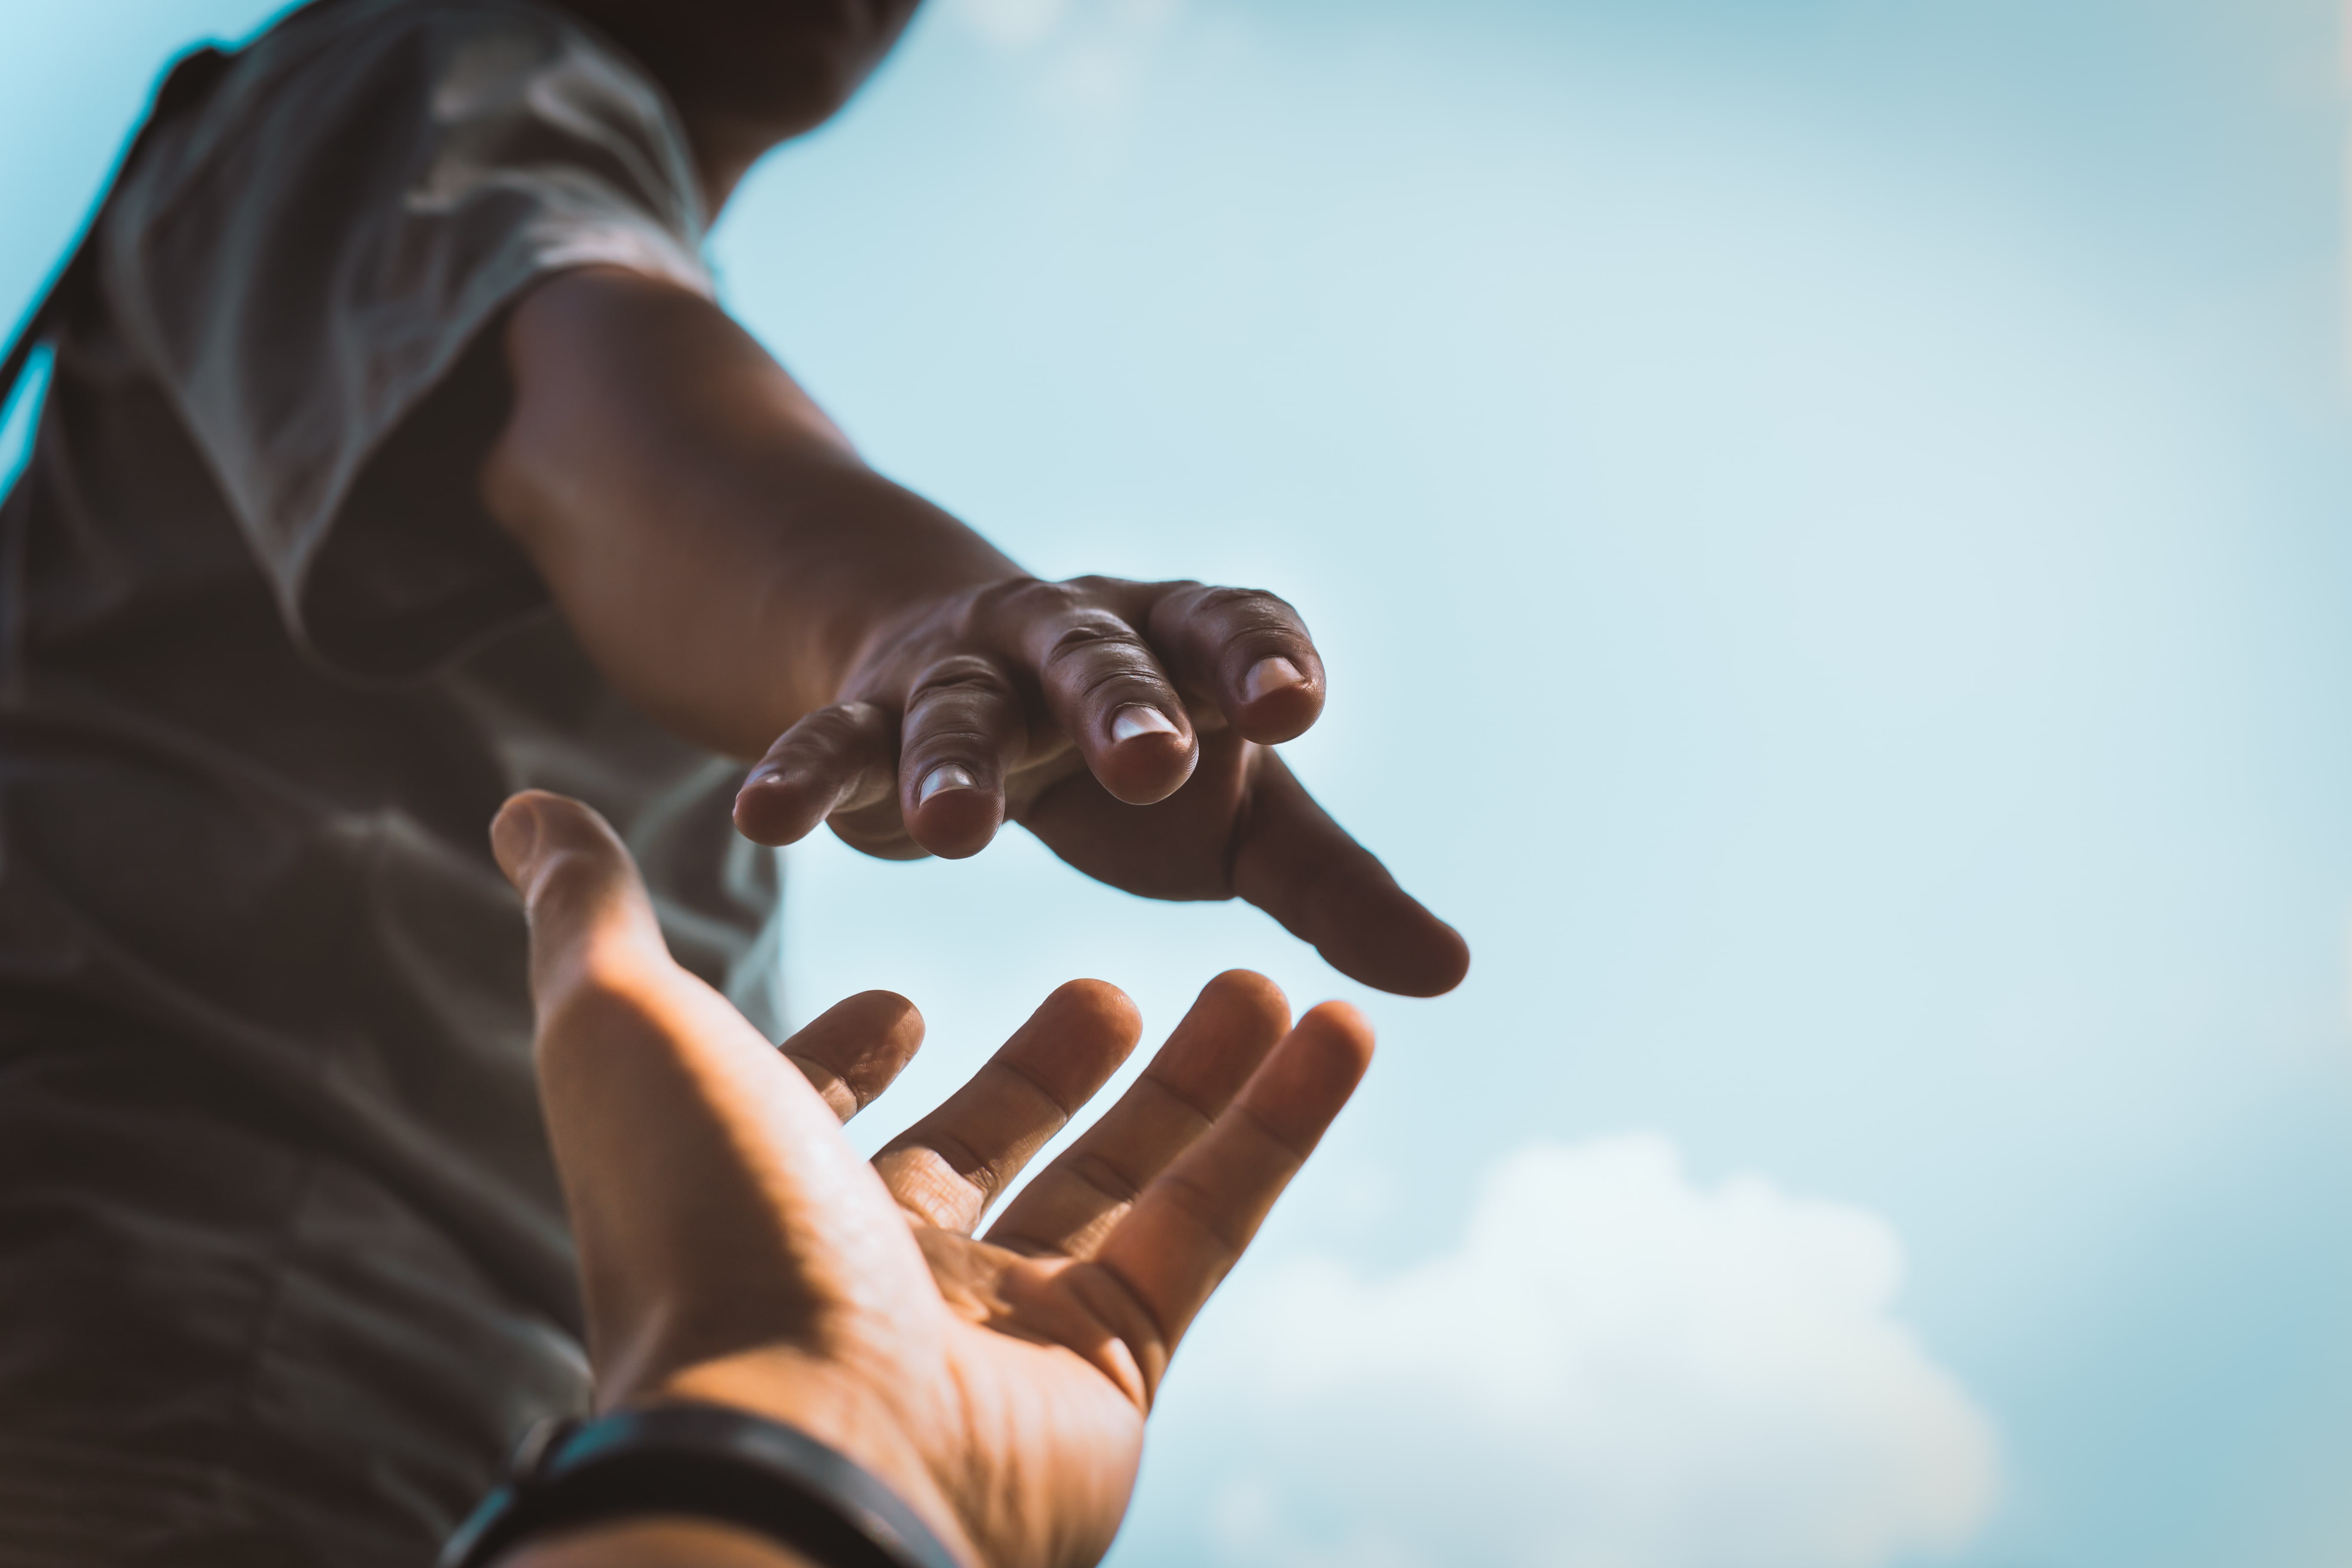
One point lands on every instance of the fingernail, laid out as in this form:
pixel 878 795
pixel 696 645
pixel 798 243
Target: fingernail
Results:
pixel 947 775
pixel 1269 675
pixel 515 838
pixel 1129 723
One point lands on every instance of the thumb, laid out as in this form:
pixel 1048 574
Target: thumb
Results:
pixel 588 908
pixel 1294 862
pixel 715 1203
pixel 591 919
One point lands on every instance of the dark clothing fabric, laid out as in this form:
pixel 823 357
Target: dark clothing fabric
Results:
pixel 279 1230
pixel 225 1345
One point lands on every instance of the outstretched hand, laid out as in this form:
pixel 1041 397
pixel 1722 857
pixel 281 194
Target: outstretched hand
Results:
pixel 737 571
pixel 1129 725
pixel 734 1248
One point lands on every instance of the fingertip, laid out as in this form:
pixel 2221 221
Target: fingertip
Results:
pixel 881 1013
pixel 835 759
pixel 1145 765
pixel 1410 953
pixel 864 1041
pixel 1341 1035
pixel 1099 1004
pixel 777 808
pixel 514 835
pixel 1278 698
pixel 879 1001
pixel 1248 992
pixel 535 827
pixel 1312 1075
pixel 1076 1040
pixel 954 814
pixel 1441 963
pixel 1223 1037
pixel 586 905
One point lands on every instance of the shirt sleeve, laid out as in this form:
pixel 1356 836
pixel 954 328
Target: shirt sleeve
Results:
pixel 308 265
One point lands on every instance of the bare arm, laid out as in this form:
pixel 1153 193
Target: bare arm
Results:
pixel 656 1543
pixel 710 535
pixel 738 573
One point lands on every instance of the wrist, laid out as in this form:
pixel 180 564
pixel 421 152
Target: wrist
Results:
pixel 814 1396
pixel 655 1543
pixel 888 565
pixel 677 1463
pixel 932 601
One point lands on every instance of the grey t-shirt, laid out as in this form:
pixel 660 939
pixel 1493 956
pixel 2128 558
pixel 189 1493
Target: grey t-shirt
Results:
pixel 266 668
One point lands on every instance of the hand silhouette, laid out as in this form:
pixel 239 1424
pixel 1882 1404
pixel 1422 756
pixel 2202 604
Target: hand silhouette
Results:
pixel 734 1248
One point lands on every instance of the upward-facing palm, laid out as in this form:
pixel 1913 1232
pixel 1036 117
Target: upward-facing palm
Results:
pixel 733 1247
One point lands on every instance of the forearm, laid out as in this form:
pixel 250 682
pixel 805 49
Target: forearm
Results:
pixel 655 1543
pixel 719 549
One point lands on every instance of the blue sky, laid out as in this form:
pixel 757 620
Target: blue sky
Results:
pixel 1829 523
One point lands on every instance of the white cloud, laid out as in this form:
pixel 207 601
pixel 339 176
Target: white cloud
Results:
pixel 1617 1368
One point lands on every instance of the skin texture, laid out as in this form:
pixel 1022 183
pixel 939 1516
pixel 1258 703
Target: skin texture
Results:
pixel 735 571
pixel 655 1543
pixel 734 1248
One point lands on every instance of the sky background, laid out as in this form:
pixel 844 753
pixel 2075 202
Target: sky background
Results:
pixel 1830 524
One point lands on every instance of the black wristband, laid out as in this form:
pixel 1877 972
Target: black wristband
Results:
pixel 708 1461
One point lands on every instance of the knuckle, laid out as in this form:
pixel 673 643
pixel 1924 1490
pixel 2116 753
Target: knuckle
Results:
pixel 1226 614
pixel 1251 609
pixel 965 678
pixel 1205 1209
pixel 963 707
pixel 1094 650
pixel 1223 596
pixel 1104 1178
pixel 1131 1315
pixel 966 745
pixel 1022 601
pixel 837 727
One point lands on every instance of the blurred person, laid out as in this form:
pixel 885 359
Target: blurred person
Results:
pixel 741 1266
pixel 395 458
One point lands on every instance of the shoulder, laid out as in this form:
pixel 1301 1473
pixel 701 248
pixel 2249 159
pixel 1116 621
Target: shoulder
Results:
pixel 353 117
pixel 364 84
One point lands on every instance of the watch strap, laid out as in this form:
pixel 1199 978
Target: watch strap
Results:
pixel 707 1461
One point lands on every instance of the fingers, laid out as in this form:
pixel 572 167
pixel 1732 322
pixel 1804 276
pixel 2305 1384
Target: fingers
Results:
pixel 1074 1202
pixel 1107 662
pixel 963 729
pixel 840 758
pixel 1294 862
pixel 1190 1226
pixel 1104 687
pixel 949 1166
pixel 851 1051
pixel 1248 651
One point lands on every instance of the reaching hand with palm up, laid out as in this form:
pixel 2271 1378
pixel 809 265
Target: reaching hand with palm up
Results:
pixel 734 1249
